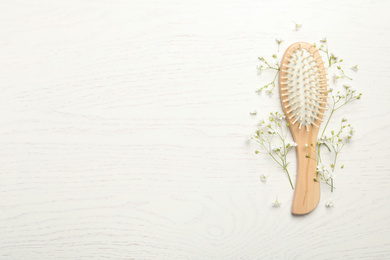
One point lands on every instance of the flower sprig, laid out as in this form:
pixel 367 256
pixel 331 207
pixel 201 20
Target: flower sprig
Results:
pixel 334 143
pixel 279 42
pixel 272 136
pixel 337 139
pixel 269 87
pixel 331 58
pixel 298 26
pixel 341 75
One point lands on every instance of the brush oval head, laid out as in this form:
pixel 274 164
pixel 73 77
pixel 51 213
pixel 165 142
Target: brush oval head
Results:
pixel 303 86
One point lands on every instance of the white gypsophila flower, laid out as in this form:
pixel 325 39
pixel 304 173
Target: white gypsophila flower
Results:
pixel 262 123
pixel 253 113
pixel 326 175
pixel 355 68
pixel 322 139
pixel 335 78
pixel 271 132
pixel 292 144
pixel 276 203
pixel 331 175
pixel 329 203
pixel 353 89
pixel 344 119
pixel 306 145
pixel 337 146
pixel 351 131
pixel 320 168
pixel 278 116
pixel 298 26
pixel 330 89
pixel 263 178
pixel 274 148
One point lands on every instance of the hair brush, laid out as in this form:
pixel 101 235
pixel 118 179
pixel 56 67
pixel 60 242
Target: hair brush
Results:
pixel 303 93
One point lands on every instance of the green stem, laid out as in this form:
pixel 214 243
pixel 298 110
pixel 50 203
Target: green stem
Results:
pixel 288 174
pixel 330 116
pixel 271 155
pixel 334 166
pixel 331 184
pixel 270 65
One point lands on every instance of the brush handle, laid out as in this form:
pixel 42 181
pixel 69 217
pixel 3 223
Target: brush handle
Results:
pixel 307 190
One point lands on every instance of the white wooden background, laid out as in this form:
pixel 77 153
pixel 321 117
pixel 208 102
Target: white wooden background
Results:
pixel 124 126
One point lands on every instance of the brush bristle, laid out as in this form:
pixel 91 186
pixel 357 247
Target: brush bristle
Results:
pixel 304 83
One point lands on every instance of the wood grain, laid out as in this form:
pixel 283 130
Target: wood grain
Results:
pixel 124 127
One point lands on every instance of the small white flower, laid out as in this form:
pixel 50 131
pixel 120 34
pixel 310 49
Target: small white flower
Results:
pixel 253 113
pixel 263 178
pixel 329 204
pixel 320 168
pixel 276 203
pixel 271 132
pixel 322 140
pixel 335 78
pixel 298 26
pixel 279 41
pixel 344 119
pixel 262 123
pixel 278 116
pixel 331 174
pixel 326 175
pixel 276 148
pixel 351 131
pixel 337 146
pixel 307 146
pixel 355 68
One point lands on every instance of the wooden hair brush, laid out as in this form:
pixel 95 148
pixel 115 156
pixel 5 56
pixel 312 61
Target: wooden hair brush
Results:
pixel 303 93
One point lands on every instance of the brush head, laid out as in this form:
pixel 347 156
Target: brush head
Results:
pixel 303 86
